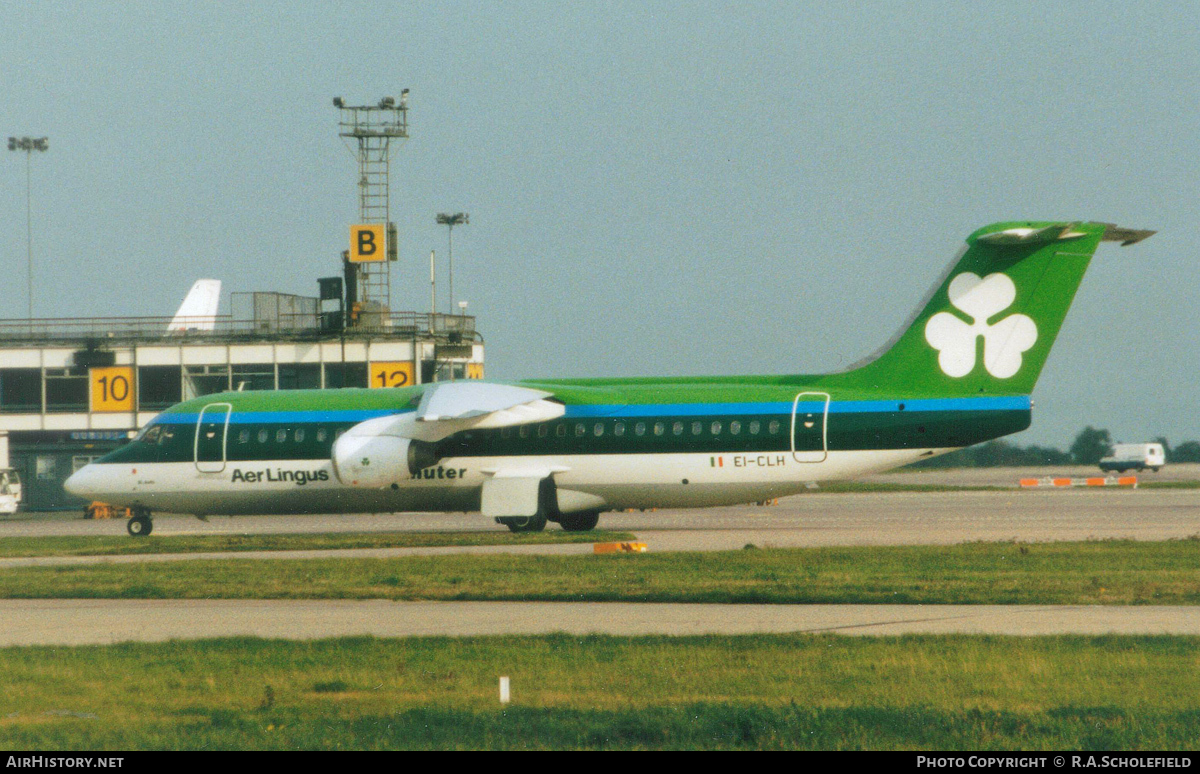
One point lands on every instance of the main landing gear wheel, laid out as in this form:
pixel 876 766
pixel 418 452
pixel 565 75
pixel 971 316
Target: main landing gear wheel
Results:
pixel 534 523
pixel 547 505
pixel 140 525
pixel 579 522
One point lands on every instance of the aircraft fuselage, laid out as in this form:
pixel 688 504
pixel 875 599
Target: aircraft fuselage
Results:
pixel 275 456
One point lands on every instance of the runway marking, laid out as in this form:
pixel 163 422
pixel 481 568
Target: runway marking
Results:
pixel 905 622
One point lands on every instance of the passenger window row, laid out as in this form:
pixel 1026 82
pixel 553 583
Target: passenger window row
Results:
pixel 620 429
pixel 287 434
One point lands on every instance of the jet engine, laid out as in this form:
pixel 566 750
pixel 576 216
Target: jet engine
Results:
pixel 372 461
pixel 386 450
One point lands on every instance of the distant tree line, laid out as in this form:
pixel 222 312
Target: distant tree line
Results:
pixel 1087 449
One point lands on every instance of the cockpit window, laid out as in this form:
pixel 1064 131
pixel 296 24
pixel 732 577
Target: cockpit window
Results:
pixel 151 434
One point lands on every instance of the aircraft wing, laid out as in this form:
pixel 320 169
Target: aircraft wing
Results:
pixel 508 405
pixel 450 407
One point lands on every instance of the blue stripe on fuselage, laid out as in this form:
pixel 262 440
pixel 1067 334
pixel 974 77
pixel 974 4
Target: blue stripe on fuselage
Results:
pixel 1013 403
pixel 1008 403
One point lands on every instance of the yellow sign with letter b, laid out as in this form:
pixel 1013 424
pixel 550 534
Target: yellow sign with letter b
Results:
pixel 368 242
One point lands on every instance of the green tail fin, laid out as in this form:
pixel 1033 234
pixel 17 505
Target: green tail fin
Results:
pixel 990 322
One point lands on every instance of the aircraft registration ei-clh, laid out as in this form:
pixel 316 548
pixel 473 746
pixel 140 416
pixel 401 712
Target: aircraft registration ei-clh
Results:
pixel 960 371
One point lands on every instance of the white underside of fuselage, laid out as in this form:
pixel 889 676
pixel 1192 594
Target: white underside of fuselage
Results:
pixel 454 484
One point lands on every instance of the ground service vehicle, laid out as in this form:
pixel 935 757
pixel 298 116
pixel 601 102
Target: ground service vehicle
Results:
pixel 1134 456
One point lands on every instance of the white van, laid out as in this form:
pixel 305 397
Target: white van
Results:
pixel 10 490
pixel 1135 456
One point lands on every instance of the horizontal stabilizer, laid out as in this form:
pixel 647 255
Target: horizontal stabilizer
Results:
pixel 1031 236
pixel 1061 233
pixel 1126 236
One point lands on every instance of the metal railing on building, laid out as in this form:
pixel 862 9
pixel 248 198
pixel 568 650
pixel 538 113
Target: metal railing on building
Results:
pixel 273 323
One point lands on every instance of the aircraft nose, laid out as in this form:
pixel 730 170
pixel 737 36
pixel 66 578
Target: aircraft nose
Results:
pixel 84 482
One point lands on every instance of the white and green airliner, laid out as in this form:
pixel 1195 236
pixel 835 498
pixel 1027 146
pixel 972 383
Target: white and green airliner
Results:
pixel 961 371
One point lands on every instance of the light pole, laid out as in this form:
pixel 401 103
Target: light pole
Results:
pixel 29 145
pixel 450 221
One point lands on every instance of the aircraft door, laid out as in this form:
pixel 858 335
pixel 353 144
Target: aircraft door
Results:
pixel 212 429
pixel 810 427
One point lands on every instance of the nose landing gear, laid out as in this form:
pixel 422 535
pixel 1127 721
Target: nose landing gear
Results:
pixel 139 524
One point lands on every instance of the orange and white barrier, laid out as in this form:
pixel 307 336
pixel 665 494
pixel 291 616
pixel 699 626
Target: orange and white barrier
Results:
pixel 619 548
pixel 1028 483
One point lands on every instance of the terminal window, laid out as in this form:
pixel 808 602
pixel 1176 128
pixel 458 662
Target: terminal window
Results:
pixel 66 390
pixel 47 468
pixel 299 376
pixel 204 380
pixel 445 372
pixel 339 375
pixel 80 461
pixel 21 390
pixel 254 376
pixel 159 387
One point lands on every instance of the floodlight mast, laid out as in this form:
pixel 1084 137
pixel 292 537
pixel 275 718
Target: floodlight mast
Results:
pixel 450 221
pixel 29 145
pixel 368 131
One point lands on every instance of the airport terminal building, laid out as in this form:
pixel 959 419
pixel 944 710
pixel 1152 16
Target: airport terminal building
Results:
pixel 72 390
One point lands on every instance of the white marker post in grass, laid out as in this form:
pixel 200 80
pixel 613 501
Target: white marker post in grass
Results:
pixel 504 697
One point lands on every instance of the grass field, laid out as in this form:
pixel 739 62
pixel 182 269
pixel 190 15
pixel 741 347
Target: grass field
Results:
pixel 114 545
pixel 757 692
pixel 1170 484
pixel 1101 572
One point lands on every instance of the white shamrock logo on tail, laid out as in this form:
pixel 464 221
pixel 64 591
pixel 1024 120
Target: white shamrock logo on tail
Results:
pixel 1003 343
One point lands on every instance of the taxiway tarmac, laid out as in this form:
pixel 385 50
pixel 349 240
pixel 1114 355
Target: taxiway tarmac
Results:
pixel 97 622
pixel 814 519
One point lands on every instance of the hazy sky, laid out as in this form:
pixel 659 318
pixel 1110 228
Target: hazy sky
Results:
pixel 654 188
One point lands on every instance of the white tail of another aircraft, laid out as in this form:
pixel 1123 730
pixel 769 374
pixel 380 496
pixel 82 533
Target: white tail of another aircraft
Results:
pixel 198 312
